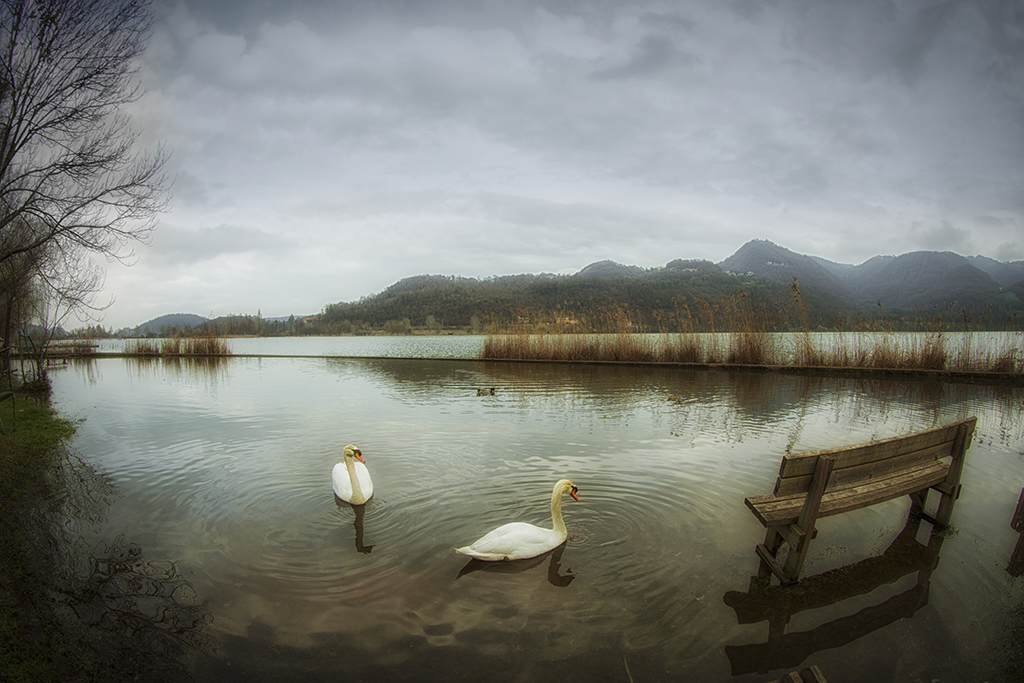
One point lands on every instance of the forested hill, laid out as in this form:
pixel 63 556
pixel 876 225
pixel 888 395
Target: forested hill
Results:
pixel 753 287
pixel 656 299
pixel 757 281
pixel 172 320
pixel 907 285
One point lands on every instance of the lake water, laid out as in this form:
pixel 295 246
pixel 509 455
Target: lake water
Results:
pixel 225 471
pixel 412 346
pixel 965 348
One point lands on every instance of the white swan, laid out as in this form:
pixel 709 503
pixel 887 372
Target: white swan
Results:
pixel 519 541
pixel 351 479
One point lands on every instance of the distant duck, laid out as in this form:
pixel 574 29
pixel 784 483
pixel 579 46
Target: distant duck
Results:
pixel 485 392
pixel 351 479
pixel 675 397
pixel 520 541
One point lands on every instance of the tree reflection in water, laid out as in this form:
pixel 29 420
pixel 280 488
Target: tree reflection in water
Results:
pixel 120 615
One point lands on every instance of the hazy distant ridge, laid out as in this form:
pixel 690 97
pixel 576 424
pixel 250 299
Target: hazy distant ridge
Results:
pixel 171 320
pixel 935 279
pixel 920 282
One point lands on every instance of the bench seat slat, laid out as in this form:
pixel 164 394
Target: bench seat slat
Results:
pixel 772 510
pixel 847 474
pixel 801 464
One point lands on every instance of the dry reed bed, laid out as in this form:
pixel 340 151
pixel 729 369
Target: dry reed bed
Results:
pixel 177 346
pixel 877 351
pixel 741 331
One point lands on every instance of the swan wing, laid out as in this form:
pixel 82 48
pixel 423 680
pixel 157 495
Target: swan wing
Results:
pixel 515 541
pixel 340 482
pixel 365 483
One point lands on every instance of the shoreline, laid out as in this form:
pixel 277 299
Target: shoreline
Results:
pixel 952 376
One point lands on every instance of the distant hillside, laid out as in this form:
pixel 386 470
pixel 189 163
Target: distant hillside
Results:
pixel 1004 273
pixel 657 299
pixel 924 279
pixel 610 269
pixel 693 265
pixel 778 264
pixel 1017 289
pixel 172 320
pixel 908 287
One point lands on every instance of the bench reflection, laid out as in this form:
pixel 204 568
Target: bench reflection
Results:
pixel 1016 565
pixel 776 604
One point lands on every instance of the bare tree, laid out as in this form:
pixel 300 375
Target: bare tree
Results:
pixel 74 182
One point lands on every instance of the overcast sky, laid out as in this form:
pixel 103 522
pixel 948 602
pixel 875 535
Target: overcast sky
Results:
pixel 324 150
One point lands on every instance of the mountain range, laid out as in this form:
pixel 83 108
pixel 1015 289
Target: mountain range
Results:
pixel 922 282
pixel 936 279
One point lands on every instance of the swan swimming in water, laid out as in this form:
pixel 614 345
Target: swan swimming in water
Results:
pixel 518 540
pixel 350 479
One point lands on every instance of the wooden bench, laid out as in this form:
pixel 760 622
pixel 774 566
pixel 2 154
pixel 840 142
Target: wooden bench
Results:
pixel 830 482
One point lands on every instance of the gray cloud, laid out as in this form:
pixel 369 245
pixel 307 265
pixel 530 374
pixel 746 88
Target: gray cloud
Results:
pixel 364 142
pixel 176 247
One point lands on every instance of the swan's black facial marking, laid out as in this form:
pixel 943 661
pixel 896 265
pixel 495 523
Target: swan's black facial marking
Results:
pixel 572 493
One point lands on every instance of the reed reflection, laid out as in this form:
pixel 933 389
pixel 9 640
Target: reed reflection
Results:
pixel 732 404
pixel 554 575
pixel 777 604
pixel 185 366
pixel 86 367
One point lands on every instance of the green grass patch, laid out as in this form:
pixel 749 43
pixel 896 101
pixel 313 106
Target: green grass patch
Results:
pixel 32 430
pixel 31 648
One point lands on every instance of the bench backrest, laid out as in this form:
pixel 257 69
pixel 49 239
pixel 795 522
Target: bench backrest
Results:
pixel 864 462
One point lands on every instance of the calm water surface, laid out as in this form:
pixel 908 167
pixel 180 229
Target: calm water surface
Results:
pixel 226 471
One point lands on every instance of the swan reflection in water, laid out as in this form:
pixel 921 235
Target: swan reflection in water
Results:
pixel 360 510
pixel 517 566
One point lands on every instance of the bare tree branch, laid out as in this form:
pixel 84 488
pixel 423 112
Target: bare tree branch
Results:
pixel 73 180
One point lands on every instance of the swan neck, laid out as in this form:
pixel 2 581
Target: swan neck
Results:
pixel 350 465
pixel 556 513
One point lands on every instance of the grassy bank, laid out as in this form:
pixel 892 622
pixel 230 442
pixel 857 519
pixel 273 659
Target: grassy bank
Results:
pixel 71 611
pixel 31 647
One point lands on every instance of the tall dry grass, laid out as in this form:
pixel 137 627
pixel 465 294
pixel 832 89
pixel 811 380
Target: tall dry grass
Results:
pixel 751 341
pixel 205 345
pixel 141 347
pixel 740 331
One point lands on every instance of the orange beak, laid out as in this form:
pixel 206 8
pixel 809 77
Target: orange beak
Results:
pixel 359 456
pixel 573 494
